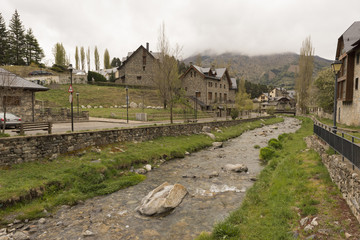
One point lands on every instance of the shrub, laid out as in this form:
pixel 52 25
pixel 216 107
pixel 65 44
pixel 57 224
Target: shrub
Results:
pixel 266 154
pixel 256 146
pixel 234 113
pixel 4 135
pixel 274 143
pixel 96 76
pixel 270 111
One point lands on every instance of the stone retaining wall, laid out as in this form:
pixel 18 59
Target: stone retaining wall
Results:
pixel 341 173
pixel 31 148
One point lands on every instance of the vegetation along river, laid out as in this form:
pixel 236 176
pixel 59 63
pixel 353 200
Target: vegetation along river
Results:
pixel 211 198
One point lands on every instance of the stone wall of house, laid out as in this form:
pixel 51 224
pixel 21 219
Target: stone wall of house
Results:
pixel 341 173
pixel 32 148
pixel 135 72
pixel 23 107
pixel 349 113
pixel 193 82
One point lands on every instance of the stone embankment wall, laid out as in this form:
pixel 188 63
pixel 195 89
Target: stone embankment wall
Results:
pixel 31 148
pixel 341 173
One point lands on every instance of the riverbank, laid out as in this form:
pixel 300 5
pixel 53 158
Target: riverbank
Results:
pixel 34 189
pixel 293 198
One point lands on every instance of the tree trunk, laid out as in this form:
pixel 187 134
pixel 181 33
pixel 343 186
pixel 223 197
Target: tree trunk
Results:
pixel 171 113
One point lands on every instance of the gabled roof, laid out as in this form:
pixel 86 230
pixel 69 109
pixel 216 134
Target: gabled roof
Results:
pixel 350 37
pixel 131 54
pixel 8 79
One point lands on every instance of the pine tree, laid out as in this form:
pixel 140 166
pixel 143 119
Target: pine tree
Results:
pixel 16 40
pixel 4 46
pixel 38 52
pixel 77 66
pixel 106 59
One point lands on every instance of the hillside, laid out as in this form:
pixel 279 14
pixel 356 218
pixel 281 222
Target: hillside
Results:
pixel 275 69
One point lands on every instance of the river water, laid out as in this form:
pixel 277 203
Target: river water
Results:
pixel 209 200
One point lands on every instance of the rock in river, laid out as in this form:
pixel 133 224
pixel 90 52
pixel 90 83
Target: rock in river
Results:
pixel 162 199
pixel 235 167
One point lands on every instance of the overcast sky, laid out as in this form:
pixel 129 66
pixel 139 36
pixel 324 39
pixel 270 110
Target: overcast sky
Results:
pixel 252 27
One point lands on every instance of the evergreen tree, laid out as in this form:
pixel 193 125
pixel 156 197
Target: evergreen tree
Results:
pixel 115 62
pixel 82 58
pixel 38 52
pixel 97 60
pixel 106 59
pixel 16 40
pixel 4 46
pixel 77 66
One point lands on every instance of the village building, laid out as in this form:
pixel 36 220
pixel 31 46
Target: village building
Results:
pixel 138 68
pixel 277 99
pixel 18 95
pixel 211 88
pixel 348 93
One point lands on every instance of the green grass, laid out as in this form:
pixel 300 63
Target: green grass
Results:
pixel 81 175
pixel 285 184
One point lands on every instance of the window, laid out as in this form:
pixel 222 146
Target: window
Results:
pixel 224 86
pixel 357 58
pixel 220 85
pixel 194 74
pixel 225 97
pixel 216 85
pixel 215 97
pixel 185 89
pixel 138 78
pixel 191 74
pixel 210 96
pixel 220 97
pixel 144 60
pixel 143 68
pixel 198 94
pixel 356 83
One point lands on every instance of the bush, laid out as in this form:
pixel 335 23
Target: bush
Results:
pixel 270 111
pixel 256 146
pixel 58 68
pixel 96 76
pixel 234 113
pixel 274 143
pixel 266 154
pixel 4 135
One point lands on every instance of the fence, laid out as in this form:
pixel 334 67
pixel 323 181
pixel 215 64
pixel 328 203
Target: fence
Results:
pixel 344 143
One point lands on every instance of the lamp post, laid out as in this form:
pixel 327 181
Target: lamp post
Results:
pixel 78 109
pixel 70 68
pixel 196 95
pixel 127 104
pixel 335 66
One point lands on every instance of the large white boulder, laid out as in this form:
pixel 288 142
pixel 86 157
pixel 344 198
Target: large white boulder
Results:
pixel 235 167
pixel 162 199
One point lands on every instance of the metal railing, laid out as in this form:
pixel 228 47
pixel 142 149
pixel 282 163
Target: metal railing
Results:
pixel 341 142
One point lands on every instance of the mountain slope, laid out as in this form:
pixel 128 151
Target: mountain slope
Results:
pixel 275 69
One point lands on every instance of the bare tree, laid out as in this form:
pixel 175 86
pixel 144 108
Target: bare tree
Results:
pixel 304 79
pixel 166 72
pixel 7 79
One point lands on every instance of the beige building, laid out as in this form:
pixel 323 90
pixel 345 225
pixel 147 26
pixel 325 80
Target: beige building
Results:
pixel 210 87
pixel 137 69
pixel 348 93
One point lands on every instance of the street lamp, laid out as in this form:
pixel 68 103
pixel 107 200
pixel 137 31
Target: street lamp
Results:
pixel 127 104
pixel 196 100
pixel 70 68
pixel 78 109
pixel 335 66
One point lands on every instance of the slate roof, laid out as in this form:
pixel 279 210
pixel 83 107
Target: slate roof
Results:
pixel 218 72
pixel 9 79
pixel 351 36
pixel 233 83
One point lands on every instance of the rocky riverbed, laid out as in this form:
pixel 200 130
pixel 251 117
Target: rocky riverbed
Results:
pixel 213 194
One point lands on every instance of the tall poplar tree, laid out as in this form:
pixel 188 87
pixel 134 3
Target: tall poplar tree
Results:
pixel 59 54
pixel 77 66
pixel 16 40
pixel 97 60
pixel 106 59
pixel 304 79
pixel 88 58
pixel 82 58
pixel 4 46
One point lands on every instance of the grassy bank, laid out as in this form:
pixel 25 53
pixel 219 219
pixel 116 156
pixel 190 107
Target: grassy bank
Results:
pixel 294 184
pixel 27 189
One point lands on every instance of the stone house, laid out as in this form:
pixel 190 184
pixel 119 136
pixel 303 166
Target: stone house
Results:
pixel 348 93
pixel 209 87
pixel 138 68
pixel 19 95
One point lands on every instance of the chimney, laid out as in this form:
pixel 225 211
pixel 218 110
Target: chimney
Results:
pixel 147 46
pixel 191 63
